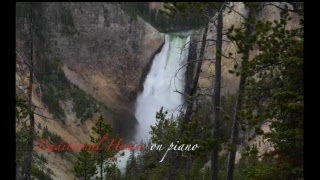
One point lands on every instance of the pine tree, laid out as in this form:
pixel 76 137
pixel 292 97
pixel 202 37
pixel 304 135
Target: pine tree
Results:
pixel 103 130
pixel 21 135
pixel 280 79
pixel 85 165
pixel 113 172
pixel 132 167
pixel 100 129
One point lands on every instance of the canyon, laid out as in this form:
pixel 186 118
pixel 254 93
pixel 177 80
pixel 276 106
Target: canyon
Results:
pixel 107 53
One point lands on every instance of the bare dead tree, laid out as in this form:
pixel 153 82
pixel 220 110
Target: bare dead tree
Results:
pixel 31 128
pixel 216 95
pixel 196 79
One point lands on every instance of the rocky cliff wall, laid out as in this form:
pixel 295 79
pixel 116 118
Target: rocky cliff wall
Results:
pixel 100 49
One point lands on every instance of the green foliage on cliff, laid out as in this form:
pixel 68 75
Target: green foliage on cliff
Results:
pixel 56 140
pixel 160 21
pixel 57 89
pixel 40 174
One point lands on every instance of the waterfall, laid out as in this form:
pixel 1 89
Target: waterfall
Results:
pixel 166 75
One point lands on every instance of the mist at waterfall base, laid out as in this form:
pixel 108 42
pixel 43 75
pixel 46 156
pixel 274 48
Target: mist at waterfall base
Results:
pixel 167 75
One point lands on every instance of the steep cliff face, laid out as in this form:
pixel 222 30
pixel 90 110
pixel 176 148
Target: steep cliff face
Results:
pixel 98 48
pixel 99 36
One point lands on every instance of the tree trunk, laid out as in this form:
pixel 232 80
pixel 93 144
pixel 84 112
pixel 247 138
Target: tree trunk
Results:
pixel 236 118
pixel 101 154
pixel 85 169
pixel 216 96
pixel 31 130
pixel 193 91
pixel 101 164
pixel 17 170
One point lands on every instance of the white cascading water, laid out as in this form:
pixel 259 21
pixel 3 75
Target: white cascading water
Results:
pixel 167 74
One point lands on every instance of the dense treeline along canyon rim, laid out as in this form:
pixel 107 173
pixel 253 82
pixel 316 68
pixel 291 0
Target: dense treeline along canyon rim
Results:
pixel 159 90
